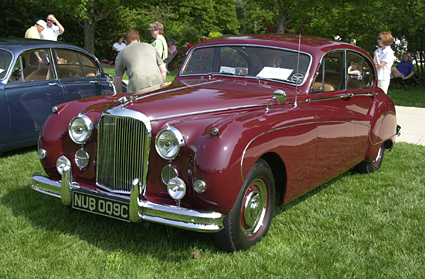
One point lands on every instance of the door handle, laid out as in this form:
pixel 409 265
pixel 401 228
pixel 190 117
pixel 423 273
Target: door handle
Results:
pixel 53 84
pixel 94 82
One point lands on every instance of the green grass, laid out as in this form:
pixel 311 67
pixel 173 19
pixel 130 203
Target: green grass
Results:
pixel 355 226
pixel 408 98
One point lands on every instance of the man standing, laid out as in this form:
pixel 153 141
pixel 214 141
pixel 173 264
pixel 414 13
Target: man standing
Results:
pixel 142 62
pixel 160 44
pixel 53 29
pixel 34 31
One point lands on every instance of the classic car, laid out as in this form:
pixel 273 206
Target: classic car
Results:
pixel 36 75
pixel 249 121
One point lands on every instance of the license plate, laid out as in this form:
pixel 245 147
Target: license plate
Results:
pixel 101 205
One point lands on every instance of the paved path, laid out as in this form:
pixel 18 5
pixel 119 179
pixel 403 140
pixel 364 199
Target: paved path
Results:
pixel 412 122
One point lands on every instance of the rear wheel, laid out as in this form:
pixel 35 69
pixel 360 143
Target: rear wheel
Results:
pixel 369 167
pixel 251 216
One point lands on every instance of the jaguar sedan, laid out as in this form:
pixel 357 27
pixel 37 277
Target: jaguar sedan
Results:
pixel 249 122
pixel 36 75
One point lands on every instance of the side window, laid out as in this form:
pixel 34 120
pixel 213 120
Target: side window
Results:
pixel 32 65
pixel 5 59
pixel 330 74
pixel 359 73
pixel 72 64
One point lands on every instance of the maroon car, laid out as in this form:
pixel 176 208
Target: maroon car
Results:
pixel 249 121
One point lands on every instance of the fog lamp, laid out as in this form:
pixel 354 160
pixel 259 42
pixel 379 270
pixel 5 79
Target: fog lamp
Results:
pixel 82 158
pixel 200 186
pixel 167 173
pixel 61 163
pixel 176 188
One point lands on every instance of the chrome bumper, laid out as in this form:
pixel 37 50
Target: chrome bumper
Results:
pixel 139 209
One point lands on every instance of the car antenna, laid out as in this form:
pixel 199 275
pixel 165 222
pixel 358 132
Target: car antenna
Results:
pixel 298 66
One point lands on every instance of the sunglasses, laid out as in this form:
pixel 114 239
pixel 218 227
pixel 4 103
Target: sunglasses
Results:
pixel 50 20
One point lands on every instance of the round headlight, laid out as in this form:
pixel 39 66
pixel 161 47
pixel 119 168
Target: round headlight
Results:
pixel 80 128
pixel 176 188
pixel 82 158
pixel 62 162
pixel 168 143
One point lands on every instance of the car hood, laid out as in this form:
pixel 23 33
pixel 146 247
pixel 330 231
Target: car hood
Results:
pixel 200 96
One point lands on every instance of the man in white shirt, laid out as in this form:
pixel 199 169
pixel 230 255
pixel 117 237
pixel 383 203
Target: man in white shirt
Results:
pixel 53 29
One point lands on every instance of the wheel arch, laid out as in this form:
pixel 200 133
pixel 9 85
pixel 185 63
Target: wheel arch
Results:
pixel 279 174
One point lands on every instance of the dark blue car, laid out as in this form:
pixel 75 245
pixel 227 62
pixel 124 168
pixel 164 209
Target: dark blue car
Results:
pixel 36 75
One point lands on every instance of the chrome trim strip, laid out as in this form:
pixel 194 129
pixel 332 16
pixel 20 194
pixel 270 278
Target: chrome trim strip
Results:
pixel 342 96
pixel 140 209
pixel 207 111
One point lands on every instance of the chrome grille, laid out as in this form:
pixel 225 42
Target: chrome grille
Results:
pixel 122 152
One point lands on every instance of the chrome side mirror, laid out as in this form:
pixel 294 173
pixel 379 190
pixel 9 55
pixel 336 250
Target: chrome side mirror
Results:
pixel 278 95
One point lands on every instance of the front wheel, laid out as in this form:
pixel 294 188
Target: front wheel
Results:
pixel 251 216
pixel 369 167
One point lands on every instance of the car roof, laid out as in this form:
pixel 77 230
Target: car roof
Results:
pixel 17 45
pixel 308 44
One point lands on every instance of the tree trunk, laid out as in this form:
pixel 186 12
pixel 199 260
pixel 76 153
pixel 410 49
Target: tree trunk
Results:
pixel 89 36
pixel 281 22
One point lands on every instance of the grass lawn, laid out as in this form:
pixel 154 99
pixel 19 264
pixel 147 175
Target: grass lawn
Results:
pixel 357 226
pixel 408 98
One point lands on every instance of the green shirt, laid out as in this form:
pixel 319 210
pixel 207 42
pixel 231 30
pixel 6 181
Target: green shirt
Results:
pixel 161 46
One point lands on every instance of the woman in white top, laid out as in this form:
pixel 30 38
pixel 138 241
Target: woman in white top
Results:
pixel 118 45
pixel 384 59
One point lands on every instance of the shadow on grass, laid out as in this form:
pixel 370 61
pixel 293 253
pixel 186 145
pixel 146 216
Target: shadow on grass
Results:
pixel 287 206
pixel 48 214
pixel 20 151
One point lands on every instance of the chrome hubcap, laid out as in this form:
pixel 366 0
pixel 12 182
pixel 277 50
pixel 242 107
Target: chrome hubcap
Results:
pixel 254 208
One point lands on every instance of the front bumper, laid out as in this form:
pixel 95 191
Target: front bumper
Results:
pixel 139 209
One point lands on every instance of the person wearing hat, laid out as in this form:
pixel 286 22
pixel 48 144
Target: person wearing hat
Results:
pixel 53 29
pixel 34 31
pixel 160 44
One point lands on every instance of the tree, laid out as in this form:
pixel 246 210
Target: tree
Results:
pixel 87 13
pixel 286 11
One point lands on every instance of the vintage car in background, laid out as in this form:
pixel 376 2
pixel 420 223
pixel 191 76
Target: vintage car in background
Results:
pixel 36 75
pixel 248 121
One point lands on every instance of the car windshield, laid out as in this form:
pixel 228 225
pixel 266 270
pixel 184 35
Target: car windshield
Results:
pixel 5 59
pixel 249 61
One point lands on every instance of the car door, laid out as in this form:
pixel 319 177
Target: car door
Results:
pixel 359 84
pixel 5 60
pixel 335 145
pixel 80 75
pixel 31 92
